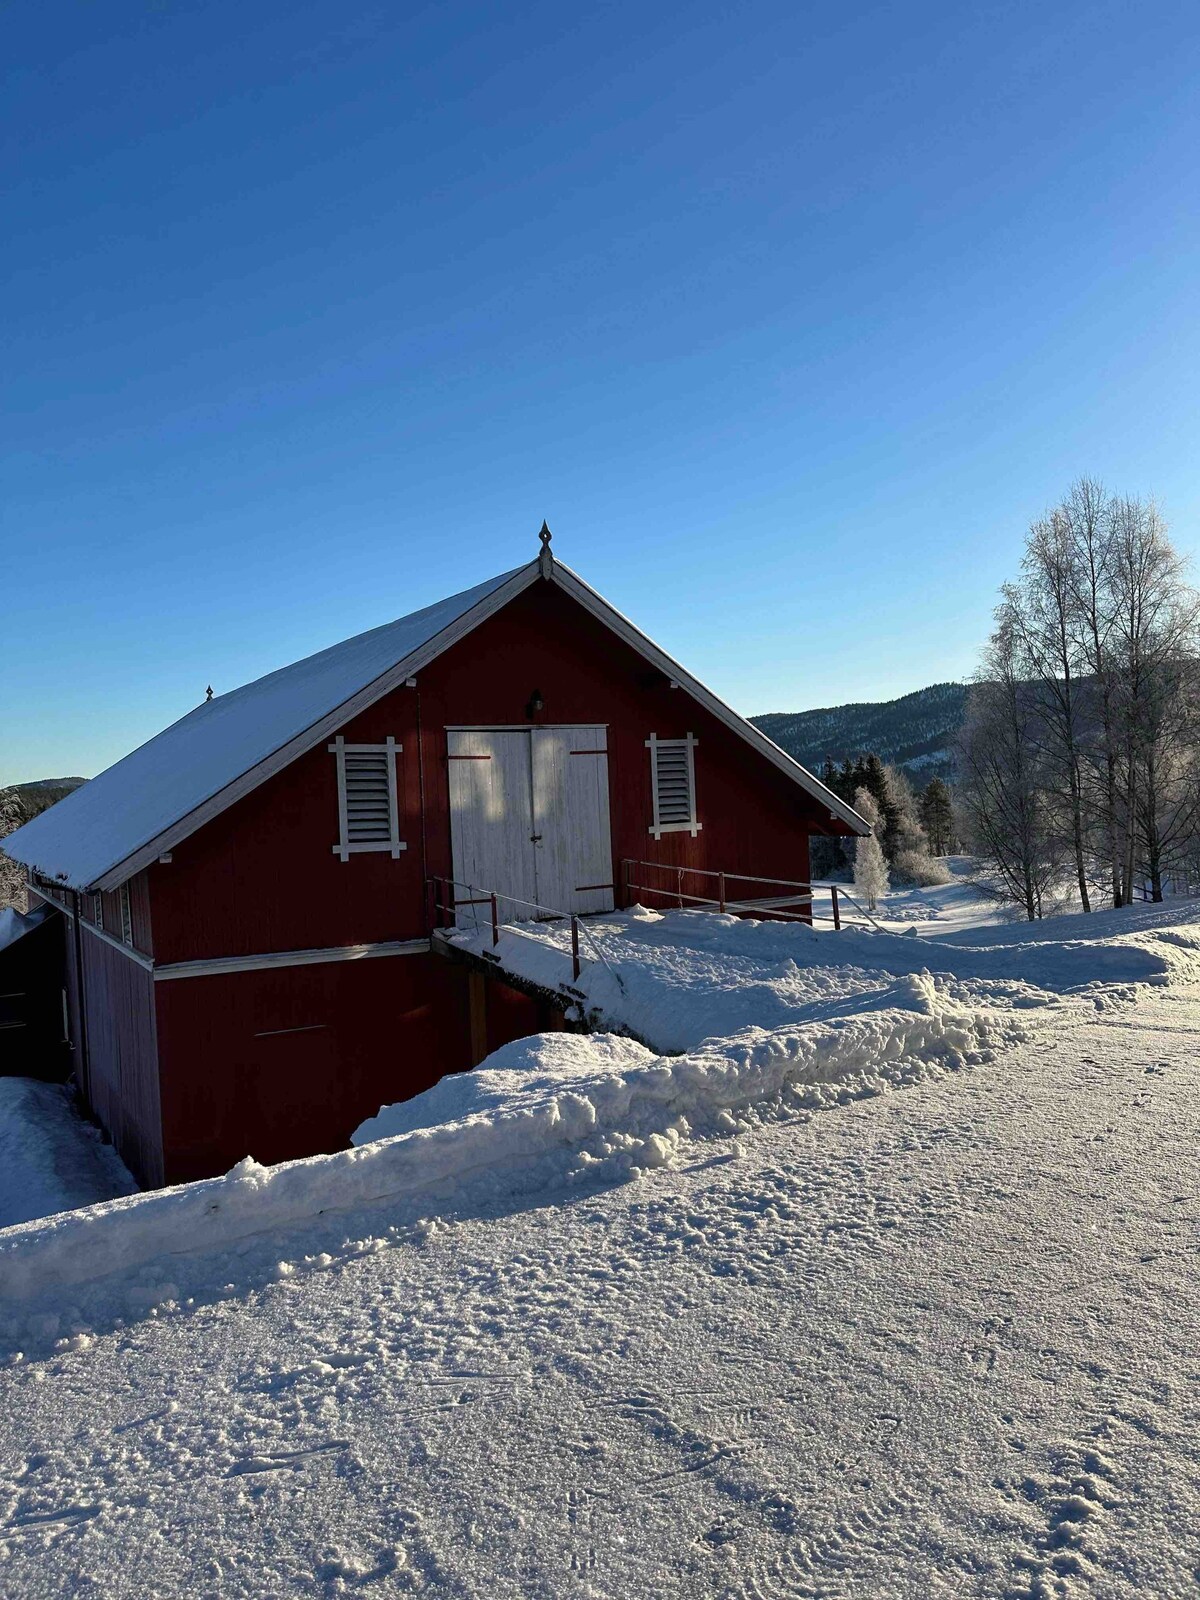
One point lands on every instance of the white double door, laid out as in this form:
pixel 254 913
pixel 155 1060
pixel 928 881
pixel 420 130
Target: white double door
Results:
pixel 529 818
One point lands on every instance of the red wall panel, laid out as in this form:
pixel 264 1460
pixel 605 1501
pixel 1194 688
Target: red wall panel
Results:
pixel 287 1061
pixel 122 1075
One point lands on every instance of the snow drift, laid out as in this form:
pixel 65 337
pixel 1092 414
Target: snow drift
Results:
pixel 768 1019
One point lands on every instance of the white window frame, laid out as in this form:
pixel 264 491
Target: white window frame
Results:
pixel 126 916
pixel 692 825
pixel 98 909
pixel 344 849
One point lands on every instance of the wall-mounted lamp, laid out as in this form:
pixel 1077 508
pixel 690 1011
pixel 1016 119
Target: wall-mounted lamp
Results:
pixel 533 705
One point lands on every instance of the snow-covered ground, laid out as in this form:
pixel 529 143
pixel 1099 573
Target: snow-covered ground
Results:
pixel 947 908
pixel 680 979
pixel 50 1158
pixel 605 1322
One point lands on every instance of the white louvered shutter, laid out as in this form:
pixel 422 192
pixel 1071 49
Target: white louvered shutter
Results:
pixel 367 804
pixel 673 785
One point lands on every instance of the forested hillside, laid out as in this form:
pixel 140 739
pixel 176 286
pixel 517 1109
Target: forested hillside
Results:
pixel 917 732
pixel 19 804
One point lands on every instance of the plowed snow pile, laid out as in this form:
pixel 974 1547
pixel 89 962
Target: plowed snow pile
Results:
pixel 765 1018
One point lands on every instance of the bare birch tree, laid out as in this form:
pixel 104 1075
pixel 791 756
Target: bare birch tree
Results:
pixel 1154 632
pixel 1004 782
pixel 1050 653
pixel 1087 715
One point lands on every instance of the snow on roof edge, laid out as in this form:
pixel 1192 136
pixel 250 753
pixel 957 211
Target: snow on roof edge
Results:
pixel 62 813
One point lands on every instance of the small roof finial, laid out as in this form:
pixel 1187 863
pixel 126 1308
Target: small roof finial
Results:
pixel 208 692
pixel 545 559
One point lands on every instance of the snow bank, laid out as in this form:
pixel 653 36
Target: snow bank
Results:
pixel 765 1017
pixel 540 1111
pixel 679 978
pixel 544 1110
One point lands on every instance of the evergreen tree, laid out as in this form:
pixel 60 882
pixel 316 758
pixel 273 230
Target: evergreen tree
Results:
pixel 937 817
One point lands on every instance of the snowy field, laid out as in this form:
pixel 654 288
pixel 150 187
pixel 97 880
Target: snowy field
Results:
pixel 885 1286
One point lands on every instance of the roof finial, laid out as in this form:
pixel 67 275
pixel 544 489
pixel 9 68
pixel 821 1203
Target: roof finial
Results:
pixel 208 692
pixel 545 559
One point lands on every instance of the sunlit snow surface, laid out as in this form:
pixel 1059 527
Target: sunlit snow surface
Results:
pixel 701 1313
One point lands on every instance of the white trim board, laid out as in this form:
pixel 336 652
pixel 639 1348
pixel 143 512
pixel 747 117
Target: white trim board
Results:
pixel 134 955
pixel 218 965
pixel 399 674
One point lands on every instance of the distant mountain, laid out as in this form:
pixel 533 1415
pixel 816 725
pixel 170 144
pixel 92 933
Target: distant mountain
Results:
pixel 916 732
pixel 23 801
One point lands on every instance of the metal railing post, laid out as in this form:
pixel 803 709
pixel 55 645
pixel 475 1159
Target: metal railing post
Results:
pixel 721 890
pixel 575 949
pixel 495 924
pixel 837 915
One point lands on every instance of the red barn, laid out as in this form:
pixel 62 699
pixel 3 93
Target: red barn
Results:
pixel 248 955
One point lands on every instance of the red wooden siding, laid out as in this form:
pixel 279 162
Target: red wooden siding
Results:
pixel 263 877
pixel 122 1055
pixel 234 1083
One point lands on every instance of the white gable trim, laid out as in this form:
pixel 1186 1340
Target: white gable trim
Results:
pixel 393 678
pixel 587 597
pixel 413 663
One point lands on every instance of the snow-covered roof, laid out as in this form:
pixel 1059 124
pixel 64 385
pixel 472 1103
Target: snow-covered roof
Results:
pixel 150 800
pixel 99 826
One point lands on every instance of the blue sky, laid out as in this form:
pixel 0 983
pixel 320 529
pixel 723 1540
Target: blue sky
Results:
pixel 787 317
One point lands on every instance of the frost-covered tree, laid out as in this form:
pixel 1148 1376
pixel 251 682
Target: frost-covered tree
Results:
pixel 1094 661
pixel 12 874
pixel 1007 798
pixel 870 865
pixel 903 833
pixel 1050 638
